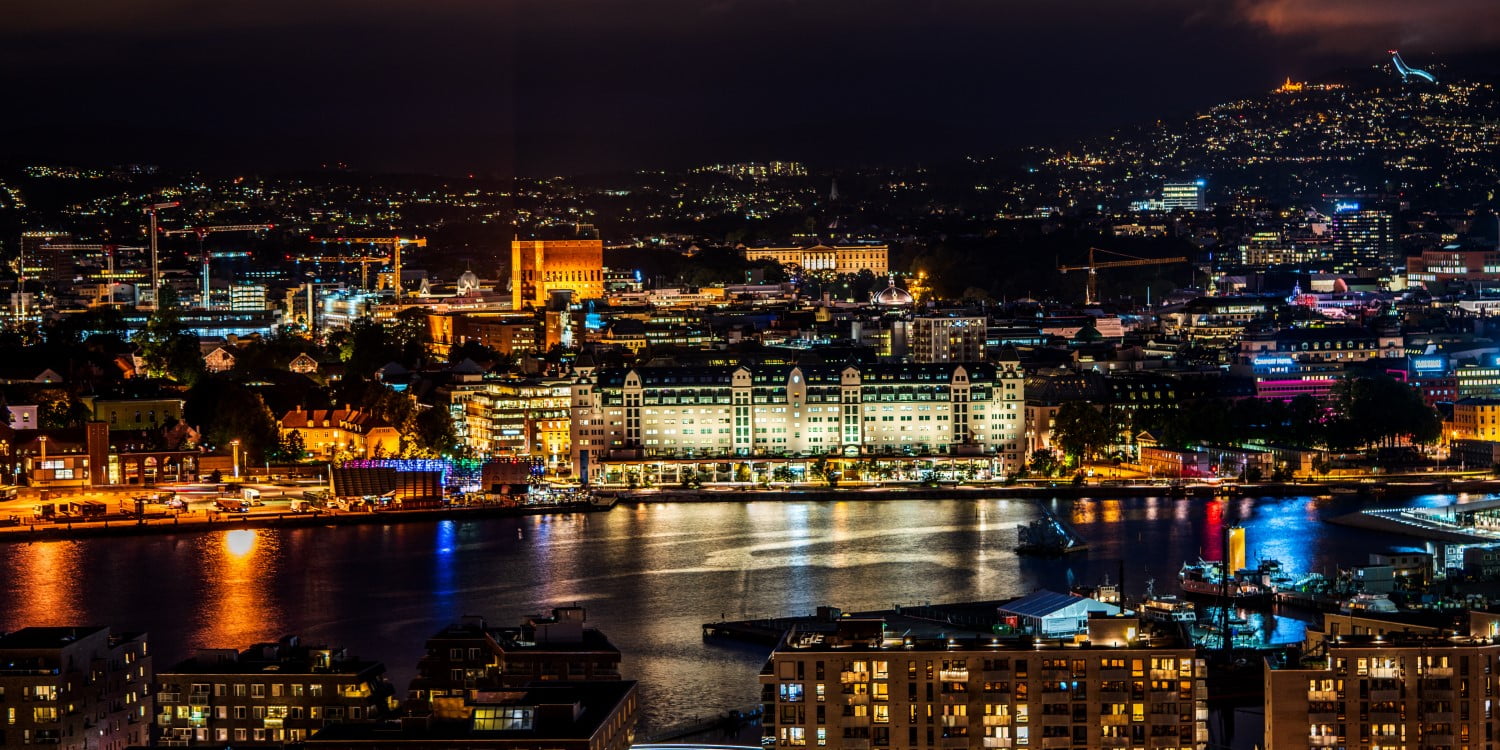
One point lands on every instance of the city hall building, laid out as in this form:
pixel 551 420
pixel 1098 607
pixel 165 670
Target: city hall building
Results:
pixel 939 414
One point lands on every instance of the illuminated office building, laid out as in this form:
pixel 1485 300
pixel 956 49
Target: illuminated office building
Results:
pixel 1362 238
pixel 1189 196
pixel 936 338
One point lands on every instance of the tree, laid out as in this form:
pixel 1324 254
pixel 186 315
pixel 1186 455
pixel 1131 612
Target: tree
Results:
pixel 1044 462
pixel 1082 430
pixel 435 433
pixel 293 447
pixel 166 345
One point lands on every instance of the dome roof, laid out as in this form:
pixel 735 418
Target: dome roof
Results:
pixel 468 281
pixel 893 296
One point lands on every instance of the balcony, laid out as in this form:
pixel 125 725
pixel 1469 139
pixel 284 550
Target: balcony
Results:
pixel 1438 740
pixel 954 743
pixel 1322 717
pixel 857 699
pixel 1114 720
pixel 1438 694
pixel 1327 740
pixel 1002 742
pixel 1381 696
pixel 856 743
pixel 1057 742
pixel 1114 742
pixel 953 721
pixel 996 721
pixel 1438 672
pixel 995 675
pixel 1438 717
pixel 1114 696
pixel 1164 674
pixel 1385 673
pixel 1385 717
pixel 848 677
pixel 169 697
pixel 1329 696
pixel 198 699
pixel 953 675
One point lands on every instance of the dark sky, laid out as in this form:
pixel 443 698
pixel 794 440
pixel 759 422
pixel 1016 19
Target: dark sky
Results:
pixel 559 86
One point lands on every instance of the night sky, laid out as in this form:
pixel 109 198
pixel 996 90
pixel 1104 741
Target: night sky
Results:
pixel 566 86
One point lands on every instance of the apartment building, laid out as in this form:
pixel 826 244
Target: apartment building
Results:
pixel 84 688
pixel 271 694
pixel 1376 691
pixel 472 656
pixel 856 684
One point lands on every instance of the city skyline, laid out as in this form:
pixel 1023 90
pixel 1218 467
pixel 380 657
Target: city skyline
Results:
pixel 582 87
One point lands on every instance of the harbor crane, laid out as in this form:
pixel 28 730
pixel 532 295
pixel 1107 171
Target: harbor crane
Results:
pixel 394 243
pixel 205 231
pixel 1091 294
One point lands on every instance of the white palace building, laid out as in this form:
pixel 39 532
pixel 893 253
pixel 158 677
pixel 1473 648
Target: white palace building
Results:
pixel 737 419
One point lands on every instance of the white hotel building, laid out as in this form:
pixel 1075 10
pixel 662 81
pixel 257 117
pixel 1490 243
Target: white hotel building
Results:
pixel 896 412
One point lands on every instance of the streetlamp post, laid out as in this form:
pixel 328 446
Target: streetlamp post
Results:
pixel 235 444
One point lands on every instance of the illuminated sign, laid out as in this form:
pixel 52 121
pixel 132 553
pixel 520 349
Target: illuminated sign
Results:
pixel 1272 362
pixel 1341 207
pixel 1429 363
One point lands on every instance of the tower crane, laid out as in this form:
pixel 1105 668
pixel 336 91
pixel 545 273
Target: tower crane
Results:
pixel 151 209
pixel 205 231
pixel 395 244
pixel 1091 295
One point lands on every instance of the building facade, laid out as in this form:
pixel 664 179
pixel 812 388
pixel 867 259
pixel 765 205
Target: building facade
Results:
pixel 790 410
pixel 835 259
pixel 539 267
pixel 329 433
pixel 937 339
pixel 75 689
pixel 529 418
pixel 272 694
pixel 863 687
pixel 1362 238
pixel 1398 690
pixel 1188 196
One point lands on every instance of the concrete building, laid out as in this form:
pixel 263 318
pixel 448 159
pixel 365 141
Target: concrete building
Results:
pixel 471 656
pixel 524 418
pixel 540 267
pixel 1392 690
pixel 1191 195
pixel 555 716
pixel 835 259
pixel 788 410
pixel 271 694
pixel 134 413
pixel 855 684
pixel 1453 264
pixel 943 338
pixel 1476 419
pixel 75 689
pixel 1363 239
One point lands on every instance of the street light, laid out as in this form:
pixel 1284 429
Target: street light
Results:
pixel 235 444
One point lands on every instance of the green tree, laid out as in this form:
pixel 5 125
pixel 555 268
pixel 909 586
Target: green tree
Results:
pixel 435 433
pixel 166 345
pixel 1082 430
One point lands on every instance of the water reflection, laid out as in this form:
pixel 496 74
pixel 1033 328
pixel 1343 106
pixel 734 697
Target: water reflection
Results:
pixel 47 576
pixel 238 608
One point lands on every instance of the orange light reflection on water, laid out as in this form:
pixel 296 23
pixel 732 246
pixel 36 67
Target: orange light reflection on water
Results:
pixel 47 584
pixel 238 566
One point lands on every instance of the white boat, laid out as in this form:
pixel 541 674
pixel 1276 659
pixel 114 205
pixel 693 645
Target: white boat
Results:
pixel 1168 609
pixel 1368 603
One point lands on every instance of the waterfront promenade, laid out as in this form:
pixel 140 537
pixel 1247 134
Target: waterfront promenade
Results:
pixel 200 516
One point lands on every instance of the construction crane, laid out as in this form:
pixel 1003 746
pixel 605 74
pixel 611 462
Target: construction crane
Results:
pixel 395 243
pixel 205 231
pixel 1091 295
pixel 151 210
